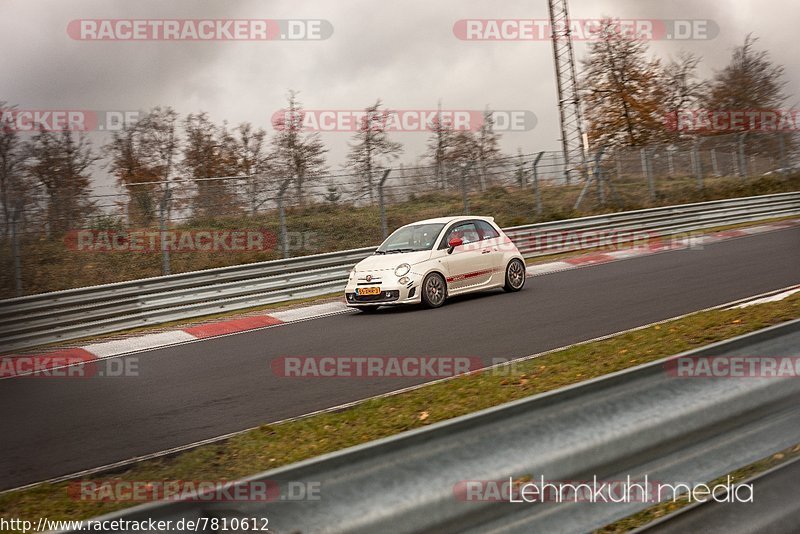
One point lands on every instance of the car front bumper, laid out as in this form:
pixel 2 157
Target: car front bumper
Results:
pixel 392 293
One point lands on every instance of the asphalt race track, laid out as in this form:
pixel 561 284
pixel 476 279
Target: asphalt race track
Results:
pixel 186 393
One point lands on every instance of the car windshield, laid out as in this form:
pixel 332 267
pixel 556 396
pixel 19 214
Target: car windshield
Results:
pixel 411 238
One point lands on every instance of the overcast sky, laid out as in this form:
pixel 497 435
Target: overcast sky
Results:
pixel 404 52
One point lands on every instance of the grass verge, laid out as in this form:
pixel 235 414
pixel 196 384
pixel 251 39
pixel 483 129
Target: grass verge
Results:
pixel 271 446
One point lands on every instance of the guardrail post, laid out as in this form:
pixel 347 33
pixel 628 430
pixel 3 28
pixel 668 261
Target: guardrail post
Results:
pixel 162 228
pixel 282 218
pixel 384 224
pixel 648 173
pixel 742 159
pixel 536 192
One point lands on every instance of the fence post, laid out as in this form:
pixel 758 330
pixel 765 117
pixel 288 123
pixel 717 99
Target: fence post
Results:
pixel 697 164
pixel 651 187
pixel 282 218
pixel 742 159
pixel 714 162
pixel 15 251
pixel 464 196
pixel 384 223
pixel 784 160
pixel 594 178
pixel 536 192
pixel 671 162
pixel 162 227
pixel 251 179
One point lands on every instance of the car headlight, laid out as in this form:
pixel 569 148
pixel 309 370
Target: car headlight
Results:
pixel 402 269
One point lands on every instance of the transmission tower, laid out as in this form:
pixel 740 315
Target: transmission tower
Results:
pixel 569 104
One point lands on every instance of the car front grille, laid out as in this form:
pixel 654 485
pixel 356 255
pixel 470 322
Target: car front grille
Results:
pixel 383 296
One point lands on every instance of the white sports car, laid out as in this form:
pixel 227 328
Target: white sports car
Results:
pixel 430 260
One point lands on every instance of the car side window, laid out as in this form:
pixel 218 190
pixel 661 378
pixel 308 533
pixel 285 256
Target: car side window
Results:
pixel 468 232
pixel 487 230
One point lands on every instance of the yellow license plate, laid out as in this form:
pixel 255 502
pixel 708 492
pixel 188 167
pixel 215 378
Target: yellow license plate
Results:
pixel 369 291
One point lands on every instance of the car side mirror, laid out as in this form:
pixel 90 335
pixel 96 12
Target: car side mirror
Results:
pixel 453 243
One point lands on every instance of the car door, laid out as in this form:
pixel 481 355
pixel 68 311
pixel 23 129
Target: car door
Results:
pixel 467 265
pixel 490 247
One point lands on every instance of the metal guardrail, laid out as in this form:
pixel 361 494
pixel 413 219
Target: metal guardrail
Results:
pixel 75 313
pixel 637 422
pixel 776 509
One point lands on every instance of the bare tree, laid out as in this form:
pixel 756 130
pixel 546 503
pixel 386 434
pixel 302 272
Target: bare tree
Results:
pixel 297 154
pixel 128 162
pixel 253 163
pixel 680 87
pixel 487 146
pixel 372 150
pixel 61 163
pixel 751 81
pixel 14 189
pixel 210 152
pixel 439 146
pixel 142 157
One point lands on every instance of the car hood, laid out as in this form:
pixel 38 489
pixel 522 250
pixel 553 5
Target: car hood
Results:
pixel 381 262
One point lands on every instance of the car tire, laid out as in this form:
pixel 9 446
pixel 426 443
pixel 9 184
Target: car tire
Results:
pixel 434 290
pixel 368 309
pixel 515 275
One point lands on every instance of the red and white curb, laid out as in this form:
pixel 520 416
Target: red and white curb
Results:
pixel 15 365
pixel 26 364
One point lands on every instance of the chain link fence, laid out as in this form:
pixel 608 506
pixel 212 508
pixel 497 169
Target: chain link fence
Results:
pixel 158 228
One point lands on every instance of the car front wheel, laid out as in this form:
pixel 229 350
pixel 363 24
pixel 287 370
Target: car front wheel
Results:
pixel 515 275
pixel 434 290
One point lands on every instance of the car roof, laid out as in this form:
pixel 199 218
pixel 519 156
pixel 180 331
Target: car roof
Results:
pixel 447 220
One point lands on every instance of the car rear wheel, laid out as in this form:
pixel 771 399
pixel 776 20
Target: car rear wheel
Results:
pixel 515 275
pixel 434 290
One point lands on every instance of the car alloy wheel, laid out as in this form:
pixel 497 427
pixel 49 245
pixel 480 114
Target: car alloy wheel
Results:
pixel 434 290
pixel 515 275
